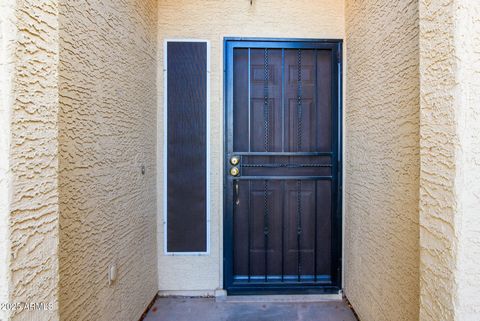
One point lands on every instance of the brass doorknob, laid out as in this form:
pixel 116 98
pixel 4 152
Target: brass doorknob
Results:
pixel 234 160
pixel 234 171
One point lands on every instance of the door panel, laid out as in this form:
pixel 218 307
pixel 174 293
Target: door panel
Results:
pixel 282 217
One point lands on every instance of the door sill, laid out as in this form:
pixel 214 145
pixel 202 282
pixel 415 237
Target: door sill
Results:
pixel 281 298
pixel 282 289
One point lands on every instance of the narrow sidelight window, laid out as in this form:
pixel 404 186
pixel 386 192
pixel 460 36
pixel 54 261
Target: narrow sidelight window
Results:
pixel 186 147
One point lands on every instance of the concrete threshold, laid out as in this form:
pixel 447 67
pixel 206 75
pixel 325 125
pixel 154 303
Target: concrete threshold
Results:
pixel 251 308
pixel 291 298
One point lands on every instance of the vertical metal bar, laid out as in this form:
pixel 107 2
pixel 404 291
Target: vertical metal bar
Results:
pixel 338 186
pixel 299 229
pixel 249 227
pixel 299 147
pixel 335 99
pixel 234 214
pixel 265 229
pixel 283 229
pixel 315 88
pixel 283 150
pixel 266 107
pixel 249 101
pixel 241 162
pixel 316 124
pixel 266 118
pixel 299 101
pixel 283 100
pixel 337 93
pixel 315 256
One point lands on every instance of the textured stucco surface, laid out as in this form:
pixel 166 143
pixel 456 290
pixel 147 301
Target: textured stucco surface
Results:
pixel 7 42
pixel 382 159
pixel 107 126
pixel 78 117
pixel 28 179
pixel 213 20
pixel 438 143
pixel 450 160
pixel 468 187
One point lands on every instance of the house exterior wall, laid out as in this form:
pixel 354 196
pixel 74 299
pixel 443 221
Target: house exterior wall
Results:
pixel 214 20
pixel 7 41
pixel 450 166
pixel 438 204
pixel 468 176
pixel 107 132
pixel 382 159
pixel 78 106
pixel 28 158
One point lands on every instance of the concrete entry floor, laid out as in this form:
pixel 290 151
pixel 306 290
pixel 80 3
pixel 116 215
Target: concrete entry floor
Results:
pixel 211 309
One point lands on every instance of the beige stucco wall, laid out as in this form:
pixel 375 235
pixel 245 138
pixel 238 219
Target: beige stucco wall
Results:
pixel 28 161
pixel 382 159
pixel 438 144
pixel 450 166
pixel 214 20
pixel 78 107
pixel 107 132
pixel 468 176
pixel 7 41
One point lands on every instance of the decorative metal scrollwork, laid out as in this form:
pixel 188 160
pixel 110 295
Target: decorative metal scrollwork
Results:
pixel 285 165
pixel 299 144
pixel 266 116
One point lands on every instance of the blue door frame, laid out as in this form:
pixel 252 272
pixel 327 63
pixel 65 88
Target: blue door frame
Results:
pixel 267 286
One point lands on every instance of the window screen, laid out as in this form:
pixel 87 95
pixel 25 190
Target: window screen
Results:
pixel 186 141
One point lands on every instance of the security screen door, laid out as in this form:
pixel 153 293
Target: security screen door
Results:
pixel 283 166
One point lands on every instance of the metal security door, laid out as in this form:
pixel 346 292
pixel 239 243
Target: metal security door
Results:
pixel 282 228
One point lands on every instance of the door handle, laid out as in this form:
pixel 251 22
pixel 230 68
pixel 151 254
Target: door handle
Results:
pixel 237 193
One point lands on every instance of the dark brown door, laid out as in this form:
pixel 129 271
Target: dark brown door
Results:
pixel 283 148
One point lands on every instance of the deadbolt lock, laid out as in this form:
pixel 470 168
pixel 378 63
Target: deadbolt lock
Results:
pixel 234 171
pixel 234 160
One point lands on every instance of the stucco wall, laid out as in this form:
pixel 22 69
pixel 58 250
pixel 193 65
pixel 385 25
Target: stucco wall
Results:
pixel 468 274
pixel 450 166
pixel 107 132
pixel 214 20
pixel 382 159
pixel 7 41
pixel 29 141
pixel 438 143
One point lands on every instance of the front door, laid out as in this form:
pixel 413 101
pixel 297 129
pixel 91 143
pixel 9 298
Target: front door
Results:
pixel 282 227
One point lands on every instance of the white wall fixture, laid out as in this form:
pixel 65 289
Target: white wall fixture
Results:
pixel 112 274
